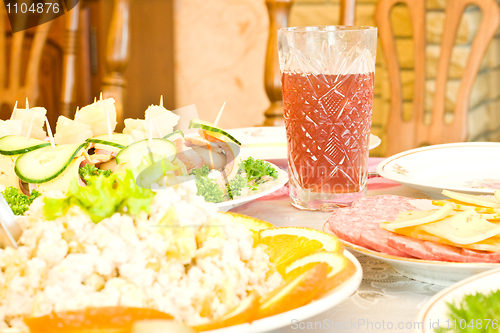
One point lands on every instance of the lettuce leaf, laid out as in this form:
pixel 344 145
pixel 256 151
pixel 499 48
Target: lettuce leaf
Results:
pixel 102 197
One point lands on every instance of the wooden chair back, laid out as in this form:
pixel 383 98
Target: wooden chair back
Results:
pixel 19 74
pixel 407 134
pixel 347 12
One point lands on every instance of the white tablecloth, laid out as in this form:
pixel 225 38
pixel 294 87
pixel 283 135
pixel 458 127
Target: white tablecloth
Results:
pixel 385 301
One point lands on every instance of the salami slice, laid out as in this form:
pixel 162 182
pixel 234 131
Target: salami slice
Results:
pixel 413 247
pixel 485 256
pixel 366 214
pixel 359 224
pixel 378 239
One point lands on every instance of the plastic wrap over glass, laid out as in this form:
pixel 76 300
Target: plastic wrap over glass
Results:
pixel 327 81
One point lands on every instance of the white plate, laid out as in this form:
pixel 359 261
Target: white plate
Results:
pixel 470 167
pixel 443 273
pixel 437 309
pixel 328 301
pixel 269 143
pixel 263 190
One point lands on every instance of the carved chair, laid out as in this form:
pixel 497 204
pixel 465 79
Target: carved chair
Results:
pixel 407 134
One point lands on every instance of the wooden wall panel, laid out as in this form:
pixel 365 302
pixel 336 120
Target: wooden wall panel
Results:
pixel 150 69
pixel 220 52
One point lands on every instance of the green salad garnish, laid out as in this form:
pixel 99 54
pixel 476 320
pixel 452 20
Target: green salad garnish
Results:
pixel 89 170
pixel 256 170
pixel 207 187
pixel 19 202
pixel 475 313
pixel 102 197
pixel 251 173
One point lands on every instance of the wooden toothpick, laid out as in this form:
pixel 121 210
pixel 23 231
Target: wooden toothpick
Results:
pixel 108 121
pixel 219 115
pixel 49 130
pixel 161 100
pixel 76 112
pixel 158 130
pixel 14 111
pixel 27 104
pixel 100 96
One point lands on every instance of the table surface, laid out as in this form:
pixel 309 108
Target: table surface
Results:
pixel 384 295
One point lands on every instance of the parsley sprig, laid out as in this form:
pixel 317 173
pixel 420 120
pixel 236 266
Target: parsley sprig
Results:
pixel 19 202
pixel 251 173
pixel 464 315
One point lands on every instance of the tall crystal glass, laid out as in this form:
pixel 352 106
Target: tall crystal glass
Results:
pixel 327 81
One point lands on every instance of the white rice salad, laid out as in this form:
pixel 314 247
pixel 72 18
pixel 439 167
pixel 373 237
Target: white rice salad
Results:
pixel 183 258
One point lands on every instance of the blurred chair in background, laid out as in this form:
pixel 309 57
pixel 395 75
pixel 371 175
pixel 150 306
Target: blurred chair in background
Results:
pixel 347 12
pixel 38 62
pixel 54 65
pixel 432 127
pixel 279 11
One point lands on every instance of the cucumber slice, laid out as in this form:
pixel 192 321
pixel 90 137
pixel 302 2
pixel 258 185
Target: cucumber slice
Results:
pixel 44 164
pixel 216 132
pixel 118 140
pixel 174 135
pixel 17 144
pixel 139 150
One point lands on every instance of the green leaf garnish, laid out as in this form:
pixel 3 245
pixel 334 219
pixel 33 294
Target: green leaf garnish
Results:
pixel 102 197
pixel 256 169
pixel 89 170
pixel 464 316
pixel 19 202
pixel 207 187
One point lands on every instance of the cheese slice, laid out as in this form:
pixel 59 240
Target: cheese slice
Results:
pixel 63 181
pixel 491 244
pixel 11 127
pixel 417 217
pixel 163 119
pixel 460 205
pixel 136 128
pixel 8 176
pixel 27 115
pixel 70 131
pixel 463 228
pixel 497 194
pixel 480 200
pixel 97 114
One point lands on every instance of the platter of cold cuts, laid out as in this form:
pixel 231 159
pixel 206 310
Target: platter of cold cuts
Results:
pixel 434 241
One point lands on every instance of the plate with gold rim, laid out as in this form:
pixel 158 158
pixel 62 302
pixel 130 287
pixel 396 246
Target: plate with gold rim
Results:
pixel 269 142
pixel 263 190
pixel 442 273
pixel 435 312
pixel 469 167
pixel 320 305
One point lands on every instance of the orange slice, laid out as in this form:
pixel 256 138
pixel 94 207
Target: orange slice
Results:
pixel 339 267
pixel 158 326
pixel 245 312
pixel 249 222
pixel 113 319
pixel 255 225
pixel 296 293
pixel 287 244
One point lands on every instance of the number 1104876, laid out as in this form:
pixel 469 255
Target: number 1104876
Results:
pixel 474 324
pixel 39 8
